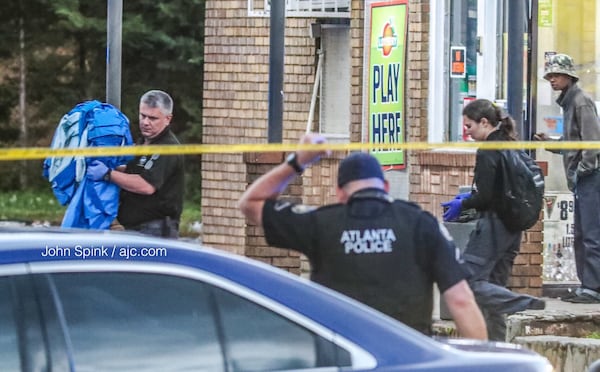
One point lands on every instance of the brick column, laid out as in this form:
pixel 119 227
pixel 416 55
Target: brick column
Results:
pixel 527 270
pixel 313 188
pixel 258 164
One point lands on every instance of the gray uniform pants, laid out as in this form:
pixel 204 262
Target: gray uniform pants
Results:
pixel 488 261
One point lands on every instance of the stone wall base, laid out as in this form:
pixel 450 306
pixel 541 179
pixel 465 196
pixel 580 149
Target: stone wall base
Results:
pixel 566 354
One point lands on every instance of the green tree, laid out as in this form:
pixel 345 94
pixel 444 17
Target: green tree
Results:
pixel 66 64
pixel 19 21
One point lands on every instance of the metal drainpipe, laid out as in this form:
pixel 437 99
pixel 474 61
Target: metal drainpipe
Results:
pixel 516 22
pixel 113 52
pixel 276 63
pixel 532 86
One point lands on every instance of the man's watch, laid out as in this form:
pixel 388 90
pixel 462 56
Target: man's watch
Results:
pixel 106 176
pixel 292 161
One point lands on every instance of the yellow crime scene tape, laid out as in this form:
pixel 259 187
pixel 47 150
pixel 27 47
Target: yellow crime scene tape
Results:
pixel 29 153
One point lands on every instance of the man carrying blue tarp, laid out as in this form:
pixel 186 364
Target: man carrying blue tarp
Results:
pixel 152 185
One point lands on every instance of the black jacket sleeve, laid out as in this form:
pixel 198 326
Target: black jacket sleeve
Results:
pixel 486 181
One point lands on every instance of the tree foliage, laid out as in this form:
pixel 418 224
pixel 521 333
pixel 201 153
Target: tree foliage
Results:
pixel 65 44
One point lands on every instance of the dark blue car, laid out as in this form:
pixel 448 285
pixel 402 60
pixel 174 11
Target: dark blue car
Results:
pixel 101 301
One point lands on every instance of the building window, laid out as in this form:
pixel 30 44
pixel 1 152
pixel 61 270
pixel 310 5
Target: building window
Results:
pixel 335 87
pixel 466 62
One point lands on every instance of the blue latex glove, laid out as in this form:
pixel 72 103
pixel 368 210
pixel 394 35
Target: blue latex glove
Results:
pixel 96 170
pixel 454 207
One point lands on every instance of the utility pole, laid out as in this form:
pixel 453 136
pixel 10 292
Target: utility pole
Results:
pixel 113 52
pixel 276 63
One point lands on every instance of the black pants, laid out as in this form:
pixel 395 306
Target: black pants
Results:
pixel 488 261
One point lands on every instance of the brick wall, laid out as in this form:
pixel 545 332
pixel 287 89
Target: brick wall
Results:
pixel 235 107
pixel 257 248
pixel 314 187
pixel 417 72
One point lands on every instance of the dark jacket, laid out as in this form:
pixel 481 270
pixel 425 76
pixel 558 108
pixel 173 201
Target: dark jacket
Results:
pixel 580 124
pixel 487 178
pixel 166 174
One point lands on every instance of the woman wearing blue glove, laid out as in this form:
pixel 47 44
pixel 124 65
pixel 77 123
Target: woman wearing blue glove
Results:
pixel 492 248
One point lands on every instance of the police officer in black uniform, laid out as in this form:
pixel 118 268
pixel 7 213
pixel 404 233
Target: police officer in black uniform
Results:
pixel 152 186
pixel 383 252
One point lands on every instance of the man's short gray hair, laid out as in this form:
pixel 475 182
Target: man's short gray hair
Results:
pixel 158 99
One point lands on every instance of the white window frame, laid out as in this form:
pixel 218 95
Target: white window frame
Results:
pixel 487 59
pixel 303 8
pixel 437 96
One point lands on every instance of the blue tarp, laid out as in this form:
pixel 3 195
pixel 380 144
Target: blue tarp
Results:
pixel 91 204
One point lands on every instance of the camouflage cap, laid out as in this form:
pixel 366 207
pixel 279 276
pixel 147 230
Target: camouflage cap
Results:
pixel 560 64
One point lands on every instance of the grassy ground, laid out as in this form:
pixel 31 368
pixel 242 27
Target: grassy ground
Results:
pixel 41 206
pixel 30 206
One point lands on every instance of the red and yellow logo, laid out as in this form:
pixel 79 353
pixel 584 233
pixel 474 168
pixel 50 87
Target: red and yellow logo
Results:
pixel 388 40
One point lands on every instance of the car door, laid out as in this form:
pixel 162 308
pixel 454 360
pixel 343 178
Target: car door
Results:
pixel 158 320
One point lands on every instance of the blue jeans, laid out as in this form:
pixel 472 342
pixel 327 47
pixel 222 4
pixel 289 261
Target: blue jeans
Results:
pixel 586 243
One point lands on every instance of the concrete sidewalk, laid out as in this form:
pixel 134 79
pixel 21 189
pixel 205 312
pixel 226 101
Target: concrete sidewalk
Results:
pixel 557 319
pixel 560 332
pixel 554 306
pixel 556 311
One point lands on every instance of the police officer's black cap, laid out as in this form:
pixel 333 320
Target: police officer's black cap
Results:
pixel 358 166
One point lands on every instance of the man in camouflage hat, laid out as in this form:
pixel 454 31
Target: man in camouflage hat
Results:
pixel 583 175
pixel 560 64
